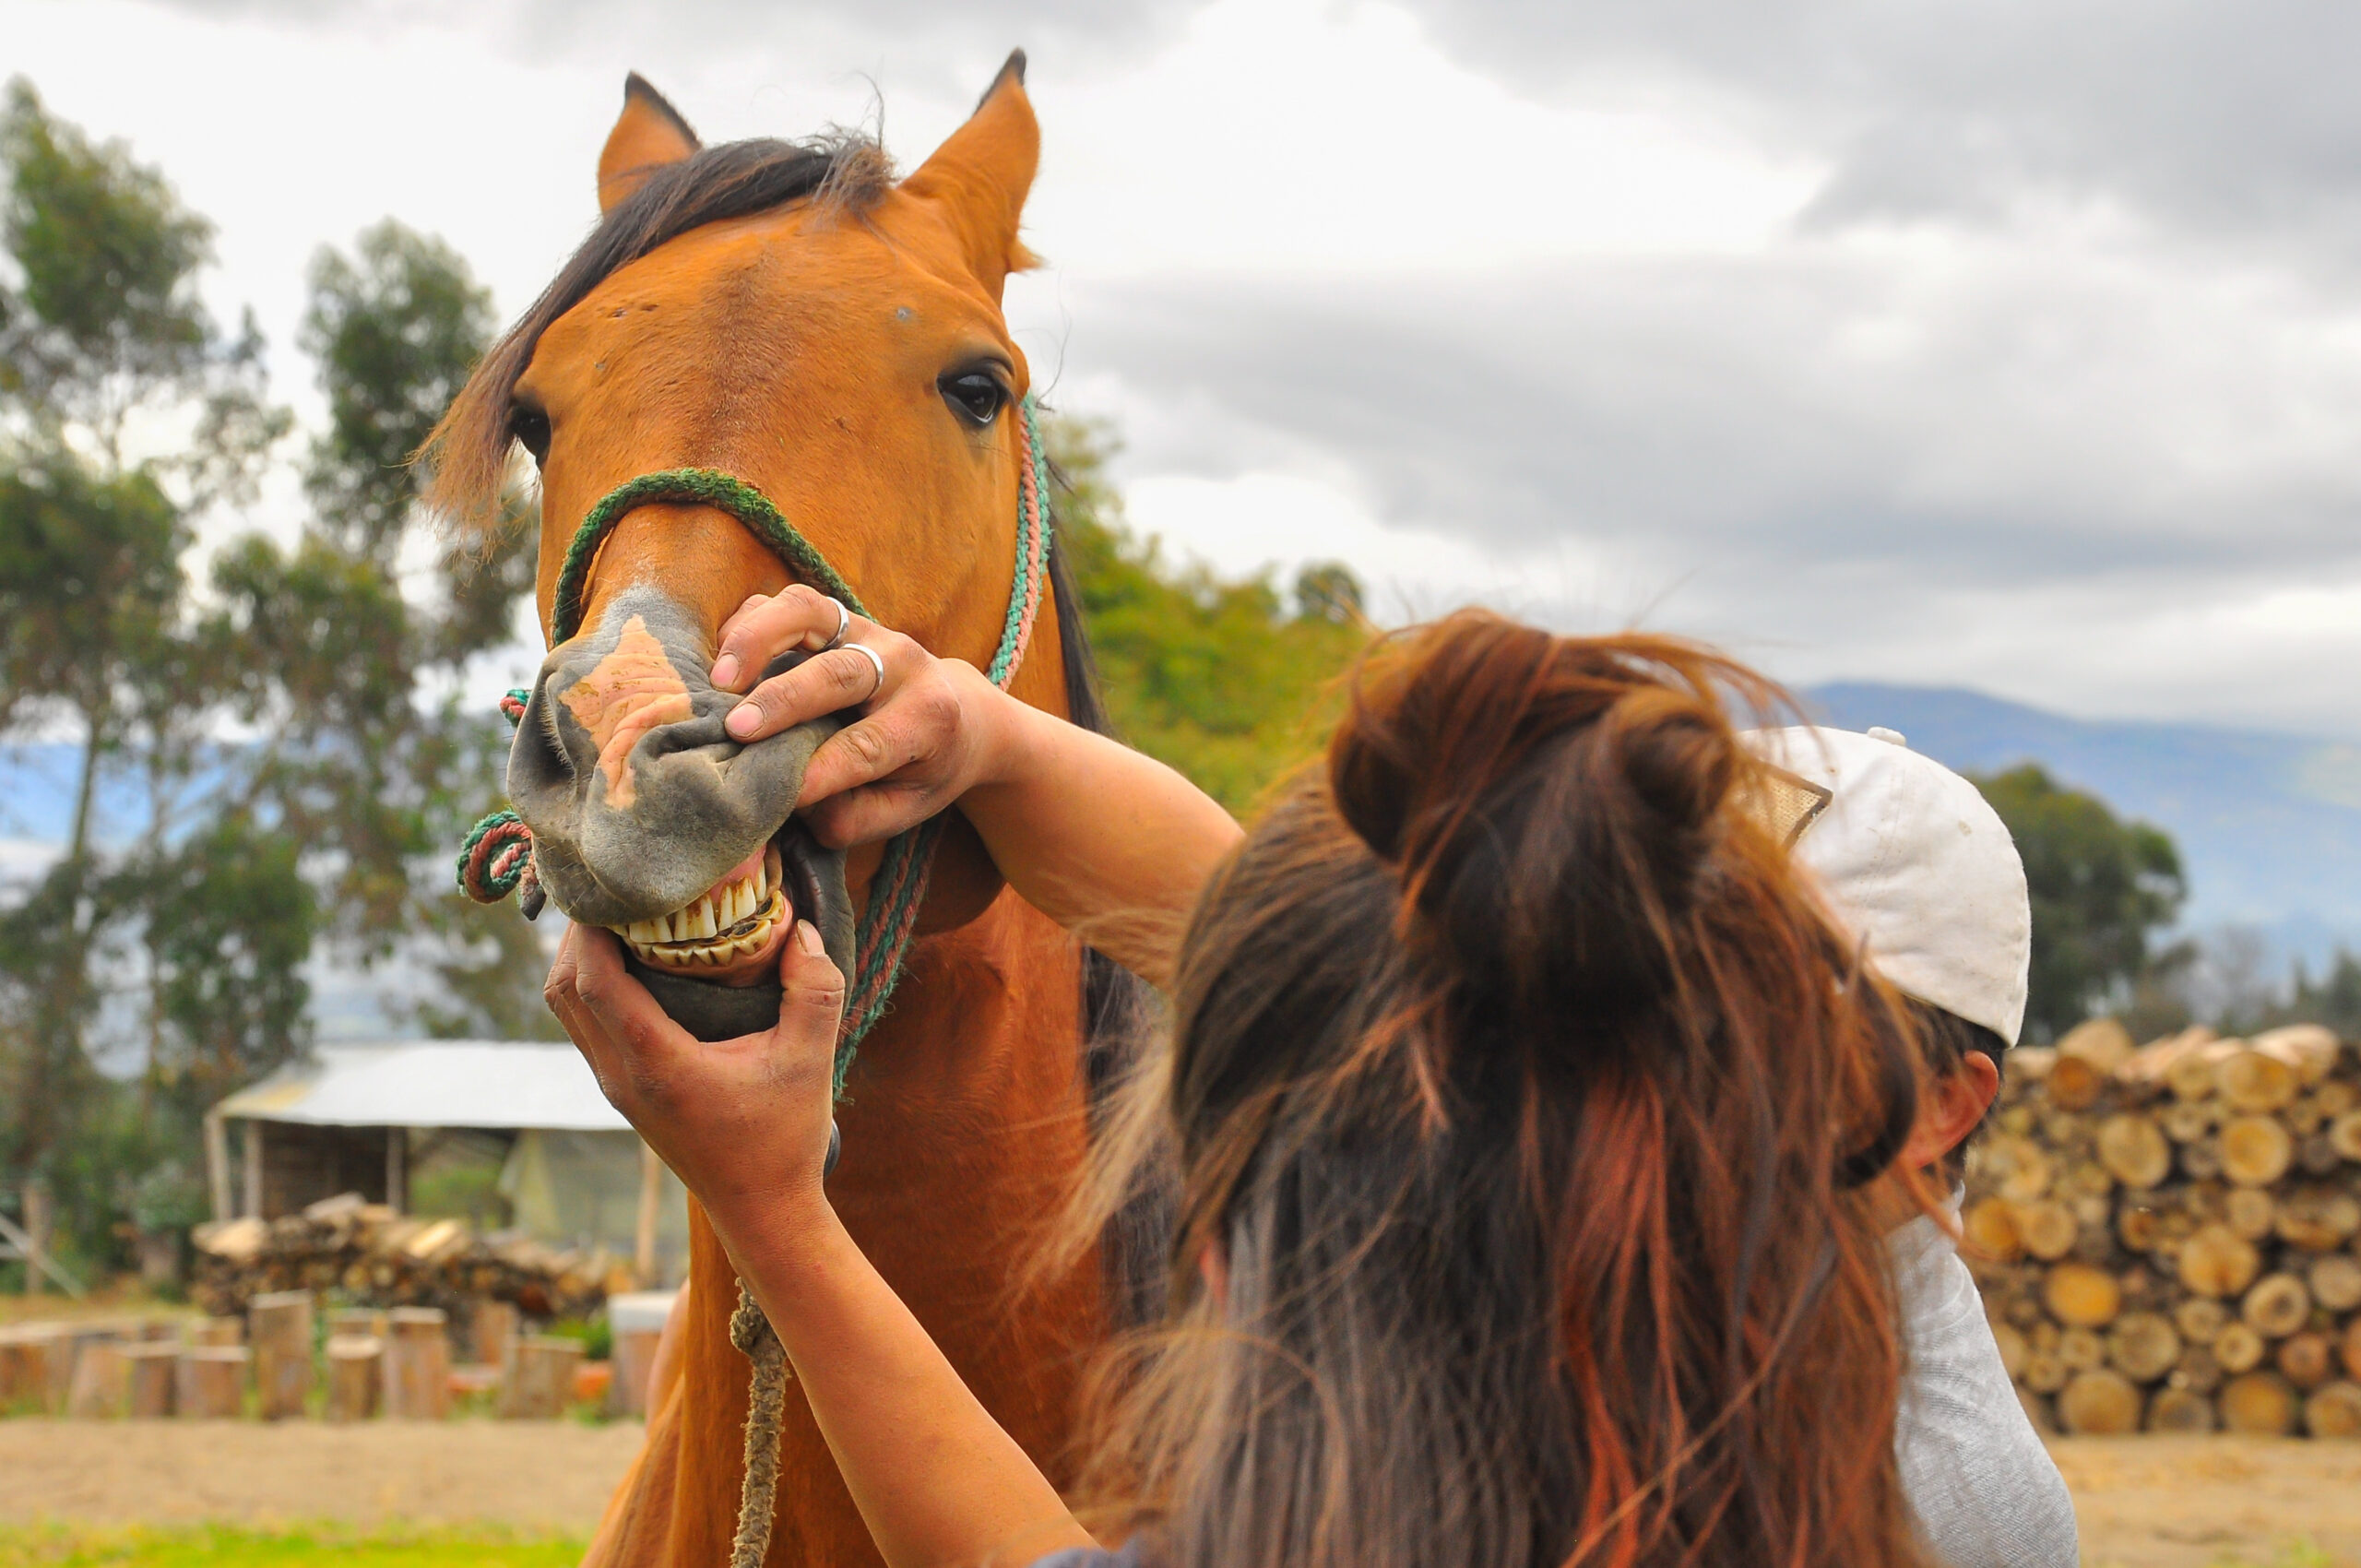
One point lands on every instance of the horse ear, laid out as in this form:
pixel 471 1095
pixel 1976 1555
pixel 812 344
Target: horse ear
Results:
pixel 981 174
pixel 648 134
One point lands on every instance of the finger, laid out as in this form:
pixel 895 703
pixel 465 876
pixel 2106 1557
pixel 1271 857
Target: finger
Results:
pixel 812 997
pixel 828 682
pixel 912 726
pixel 637 1031
pixel 589 1037
pixel 873 812
pixel 765 626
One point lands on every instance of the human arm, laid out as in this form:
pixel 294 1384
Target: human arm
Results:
pixel 1099 838
pixel 744 1124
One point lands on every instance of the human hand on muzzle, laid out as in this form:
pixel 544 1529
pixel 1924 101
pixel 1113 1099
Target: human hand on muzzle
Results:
pixel 925 728
pixel 745 1124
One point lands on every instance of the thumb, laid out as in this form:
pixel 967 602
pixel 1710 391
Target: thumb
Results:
pixel 812 991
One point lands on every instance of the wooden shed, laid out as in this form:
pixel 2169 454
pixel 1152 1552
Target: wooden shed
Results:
pixel 366 1118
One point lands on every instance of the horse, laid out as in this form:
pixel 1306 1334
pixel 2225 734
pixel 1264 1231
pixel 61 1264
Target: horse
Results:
pixel 791 314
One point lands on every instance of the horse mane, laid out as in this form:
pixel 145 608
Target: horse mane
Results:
pixel 468 453
pixel 1118 1016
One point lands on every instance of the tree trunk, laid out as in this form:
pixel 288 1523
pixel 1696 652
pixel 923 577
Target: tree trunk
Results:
pixel 2180 1410
pixel 2334 1411
pixel 2259 1403
pixel 57 1017
pixel 2099 1404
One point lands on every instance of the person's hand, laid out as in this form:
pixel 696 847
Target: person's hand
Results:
pixel 743 1122
pixel 924 733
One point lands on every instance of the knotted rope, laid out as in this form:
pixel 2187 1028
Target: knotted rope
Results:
pixel 495 858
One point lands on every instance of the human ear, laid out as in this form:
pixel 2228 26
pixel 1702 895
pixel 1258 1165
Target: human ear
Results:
pixel 1949 1108
pixel 1213 1270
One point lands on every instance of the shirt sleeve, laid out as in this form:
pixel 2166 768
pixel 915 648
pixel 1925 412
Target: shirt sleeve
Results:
pixel 1092 1557
pixel 1983 1489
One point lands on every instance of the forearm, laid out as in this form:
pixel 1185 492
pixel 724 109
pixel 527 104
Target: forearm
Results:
pixel 1097 836
pixel 935 1477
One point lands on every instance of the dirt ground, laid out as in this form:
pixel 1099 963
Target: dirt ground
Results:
pixel 2144 1503
pixel 537 1475
pixel 2194 1502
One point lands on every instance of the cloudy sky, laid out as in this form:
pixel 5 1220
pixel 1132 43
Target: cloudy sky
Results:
pixel 2007 344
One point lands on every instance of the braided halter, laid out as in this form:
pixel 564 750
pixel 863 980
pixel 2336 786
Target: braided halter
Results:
pixel 495 858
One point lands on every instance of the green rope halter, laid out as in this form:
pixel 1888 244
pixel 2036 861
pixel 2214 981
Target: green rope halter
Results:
pixel 889 919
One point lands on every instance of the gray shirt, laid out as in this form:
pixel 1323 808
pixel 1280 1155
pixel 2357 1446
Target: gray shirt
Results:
pixel 1984 1489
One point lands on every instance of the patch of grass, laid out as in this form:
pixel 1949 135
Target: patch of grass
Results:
pixel 315 1546
pixel 2294 1554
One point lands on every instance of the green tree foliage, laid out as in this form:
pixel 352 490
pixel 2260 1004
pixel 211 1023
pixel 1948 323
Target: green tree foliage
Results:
pixel 2102 889
pixel 374 785
pixel 2335 999
pixel 1226 680
pixel 298 786
pixel 101 334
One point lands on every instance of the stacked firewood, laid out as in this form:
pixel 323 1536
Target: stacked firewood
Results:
pixel 366 1255
pixel 2166 1236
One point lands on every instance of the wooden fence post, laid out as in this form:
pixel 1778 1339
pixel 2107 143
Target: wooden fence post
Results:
pixel 417 1365
pixel 101 1384
pixel 46 1370
pixel 542 1385
pixel 219 1332
pixel 155 1366
pixel 213 1382
pixel 282 1344
pixel 356 1371
pixel 491 1334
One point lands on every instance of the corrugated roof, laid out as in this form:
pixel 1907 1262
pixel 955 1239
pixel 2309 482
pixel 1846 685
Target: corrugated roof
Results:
pixel 433 1083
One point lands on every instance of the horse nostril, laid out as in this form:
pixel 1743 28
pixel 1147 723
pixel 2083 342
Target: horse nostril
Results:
pixel 537 762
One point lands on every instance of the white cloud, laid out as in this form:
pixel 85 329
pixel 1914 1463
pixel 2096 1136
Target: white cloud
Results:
pixel 1940 345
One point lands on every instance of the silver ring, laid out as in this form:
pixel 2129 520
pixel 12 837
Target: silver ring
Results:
pixel 844 620
pixel 874 657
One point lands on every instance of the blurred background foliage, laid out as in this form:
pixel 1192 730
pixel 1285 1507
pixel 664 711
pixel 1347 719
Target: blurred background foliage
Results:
pixel 1229 679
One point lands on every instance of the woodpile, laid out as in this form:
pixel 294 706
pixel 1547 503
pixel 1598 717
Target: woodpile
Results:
pixel 366 1255
pixel 2168 1238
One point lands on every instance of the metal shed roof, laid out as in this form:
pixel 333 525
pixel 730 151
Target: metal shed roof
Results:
pixel 433 1083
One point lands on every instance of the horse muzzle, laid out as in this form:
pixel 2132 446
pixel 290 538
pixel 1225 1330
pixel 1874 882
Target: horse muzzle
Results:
pixel 650 820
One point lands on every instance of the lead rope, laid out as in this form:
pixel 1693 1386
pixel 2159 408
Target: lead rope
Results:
pixel 497 857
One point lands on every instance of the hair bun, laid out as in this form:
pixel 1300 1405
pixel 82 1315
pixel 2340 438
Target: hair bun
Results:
pixel 1547 802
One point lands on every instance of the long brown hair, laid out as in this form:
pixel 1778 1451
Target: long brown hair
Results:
pixel 1524 1099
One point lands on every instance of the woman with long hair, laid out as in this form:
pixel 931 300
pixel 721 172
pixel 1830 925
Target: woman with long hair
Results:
pixel 1521 1104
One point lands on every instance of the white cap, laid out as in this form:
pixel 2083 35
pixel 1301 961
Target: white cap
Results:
pixel 1916 864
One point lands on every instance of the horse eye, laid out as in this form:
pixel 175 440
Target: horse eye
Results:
pixel 530 427
pixel 975 395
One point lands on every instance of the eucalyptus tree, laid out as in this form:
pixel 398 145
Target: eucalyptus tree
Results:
pixel 363 631
pixel 126 411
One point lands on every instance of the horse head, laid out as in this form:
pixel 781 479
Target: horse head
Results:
pixel 790 315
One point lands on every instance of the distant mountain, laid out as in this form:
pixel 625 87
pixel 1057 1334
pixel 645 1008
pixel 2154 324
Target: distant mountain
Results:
pixel 2269 825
